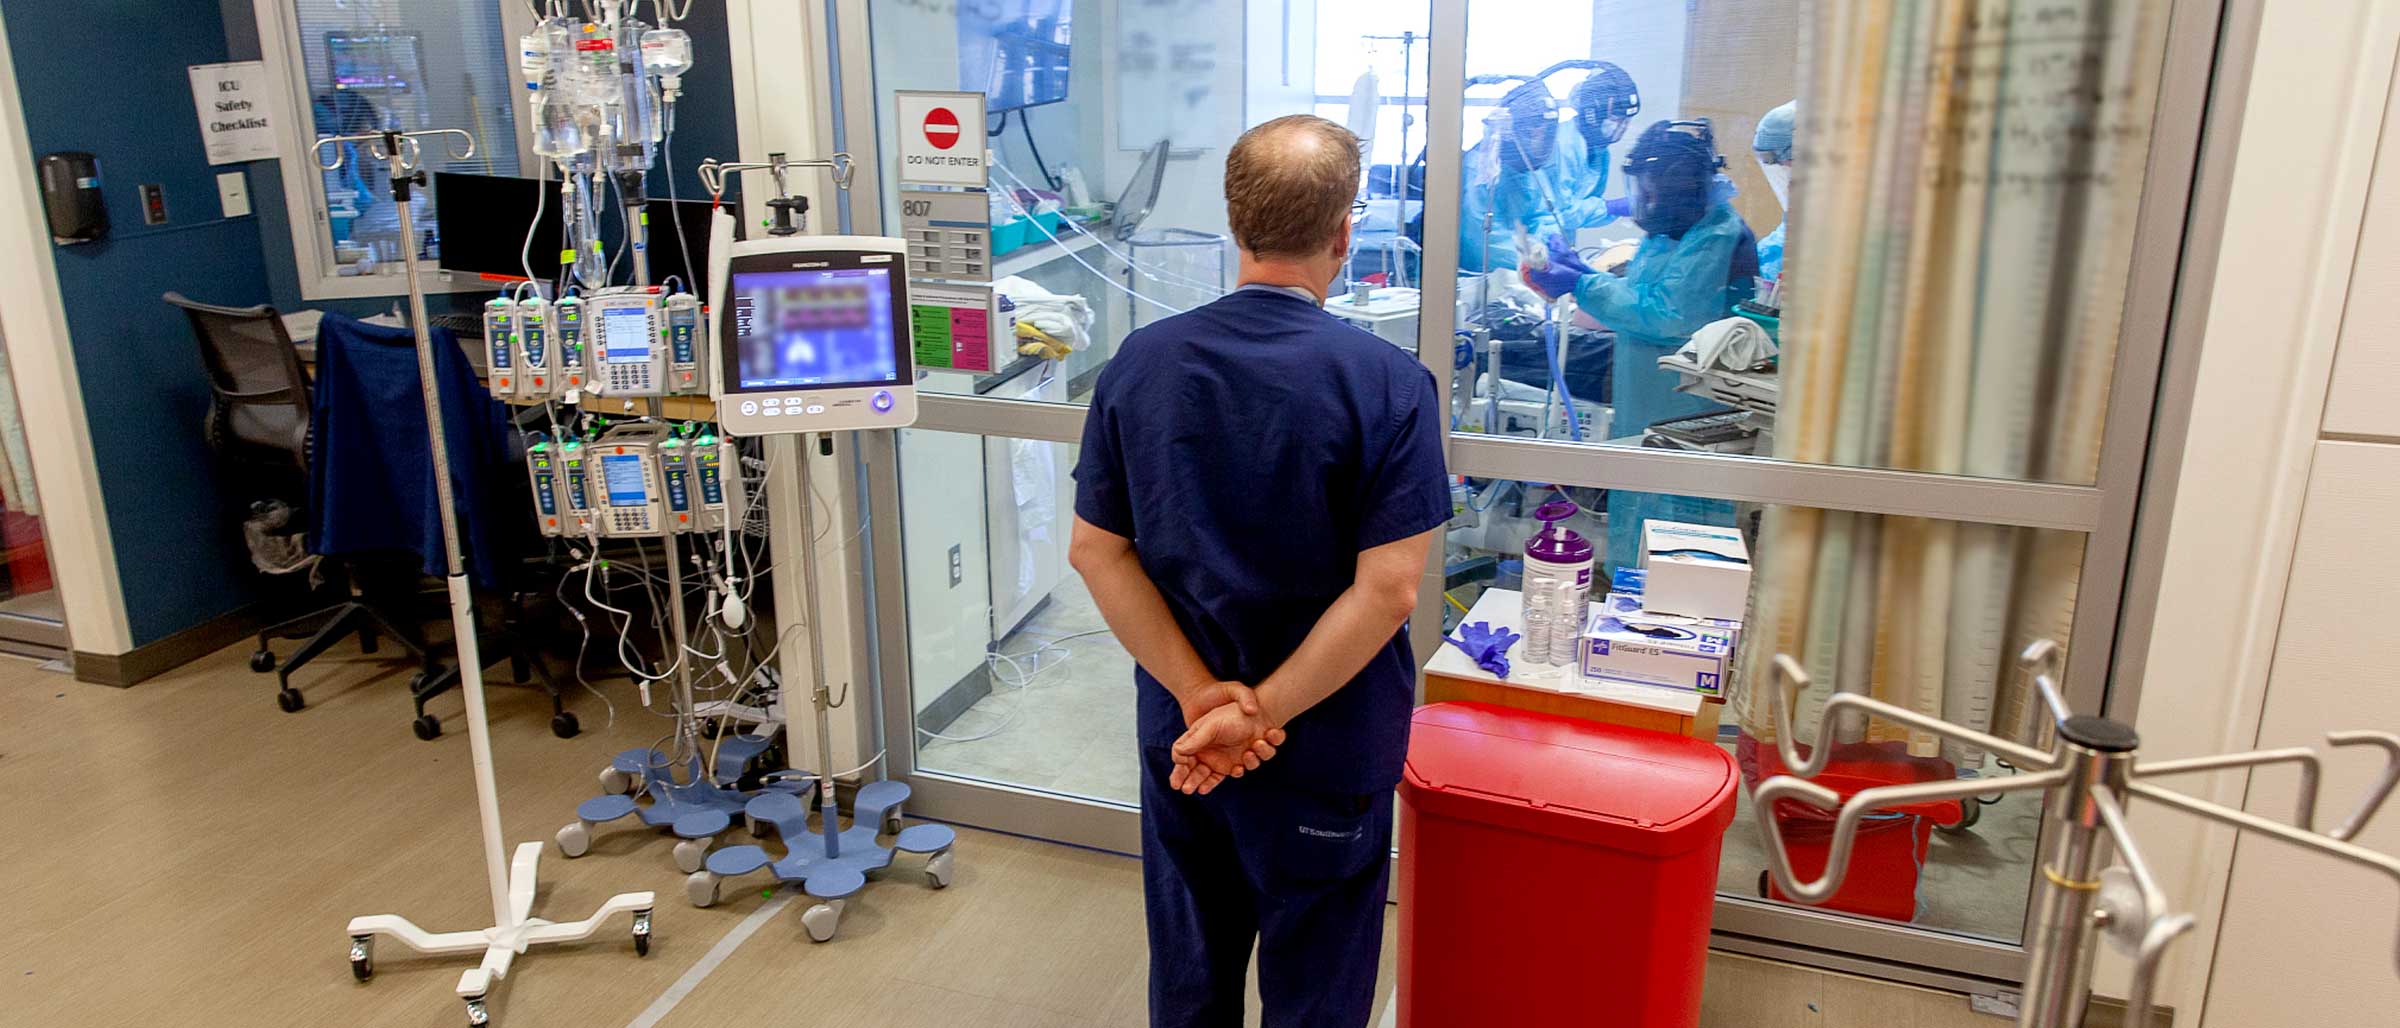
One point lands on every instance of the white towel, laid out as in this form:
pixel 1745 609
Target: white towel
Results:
pixel 1066 316
pixel 1736 344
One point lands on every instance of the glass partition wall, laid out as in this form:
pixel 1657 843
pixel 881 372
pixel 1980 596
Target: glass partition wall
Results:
pixel 1881 285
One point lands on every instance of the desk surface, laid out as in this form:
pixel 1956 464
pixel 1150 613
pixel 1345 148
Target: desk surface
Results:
pixel 1504 608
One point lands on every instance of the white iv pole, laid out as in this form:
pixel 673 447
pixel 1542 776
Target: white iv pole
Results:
pixel 513 929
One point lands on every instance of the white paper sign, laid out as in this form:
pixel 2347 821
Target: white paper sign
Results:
pixel 235 120
pixel 941 138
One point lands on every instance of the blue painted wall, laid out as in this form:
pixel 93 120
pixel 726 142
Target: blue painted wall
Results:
pixel 90 83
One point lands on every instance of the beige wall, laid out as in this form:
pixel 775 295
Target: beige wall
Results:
pixel 2269 614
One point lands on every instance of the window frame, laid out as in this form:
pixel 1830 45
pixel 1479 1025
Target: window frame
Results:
pixel 304 202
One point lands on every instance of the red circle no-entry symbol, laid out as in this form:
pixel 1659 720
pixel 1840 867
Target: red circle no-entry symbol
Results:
pixel 941 128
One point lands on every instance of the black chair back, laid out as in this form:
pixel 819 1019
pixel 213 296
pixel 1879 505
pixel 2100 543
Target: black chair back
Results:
pixel 260 406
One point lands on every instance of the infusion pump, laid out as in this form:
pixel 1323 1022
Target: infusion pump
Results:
pixel 634 481
pixel 626 341
pixel 521 347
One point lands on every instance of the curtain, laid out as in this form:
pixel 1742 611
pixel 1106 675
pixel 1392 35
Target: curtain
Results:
pixel 1965 188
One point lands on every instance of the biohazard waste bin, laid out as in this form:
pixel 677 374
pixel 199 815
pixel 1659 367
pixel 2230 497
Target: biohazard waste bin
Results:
pixel 1555 871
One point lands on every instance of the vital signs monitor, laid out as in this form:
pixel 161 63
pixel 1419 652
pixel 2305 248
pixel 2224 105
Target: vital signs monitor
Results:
pixel 813 333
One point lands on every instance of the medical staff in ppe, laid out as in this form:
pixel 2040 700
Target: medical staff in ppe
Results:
pixel 1772 145
pixel 1534 172
pixel 1696 258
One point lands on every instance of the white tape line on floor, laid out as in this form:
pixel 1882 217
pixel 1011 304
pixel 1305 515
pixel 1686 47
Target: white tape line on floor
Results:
pixel 733 940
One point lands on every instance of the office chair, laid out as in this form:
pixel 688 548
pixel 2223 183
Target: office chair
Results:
pixel 258 424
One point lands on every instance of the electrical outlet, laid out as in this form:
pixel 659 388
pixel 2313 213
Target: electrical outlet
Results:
pixel 154 204
pixel 233 193
pixel 958 567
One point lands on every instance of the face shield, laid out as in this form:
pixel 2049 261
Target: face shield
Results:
pixel 1778 174
pixel 1670 173
pixel 1605 102
pixel 1525 127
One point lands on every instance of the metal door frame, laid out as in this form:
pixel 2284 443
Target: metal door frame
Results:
pixel 2203 76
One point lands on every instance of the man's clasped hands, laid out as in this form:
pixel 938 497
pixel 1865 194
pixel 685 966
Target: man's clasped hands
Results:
pixel 1226 733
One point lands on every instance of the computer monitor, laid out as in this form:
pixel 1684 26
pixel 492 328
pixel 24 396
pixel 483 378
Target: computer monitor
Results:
pixel 481 221
pixel 1016 52
pixel 383 63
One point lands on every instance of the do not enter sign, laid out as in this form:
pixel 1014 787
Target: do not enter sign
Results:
pixel 941 128
pixel 941 138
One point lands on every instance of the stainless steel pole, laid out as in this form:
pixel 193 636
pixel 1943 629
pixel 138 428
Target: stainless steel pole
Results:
pixel 462 599
pixel 2058 951
pixel 820 695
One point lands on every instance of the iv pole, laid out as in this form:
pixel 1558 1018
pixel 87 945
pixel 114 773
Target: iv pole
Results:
pixel 512 883
pixel 2090 776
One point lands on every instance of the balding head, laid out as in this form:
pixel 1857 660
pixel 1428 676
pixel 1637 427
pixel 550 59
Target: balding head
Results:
pixel 1288 186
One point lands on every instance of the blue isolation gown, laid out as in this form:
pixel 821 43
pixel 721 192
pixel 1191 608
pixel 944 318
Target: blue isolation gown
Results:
pixel 1672 287
pixel 1576 176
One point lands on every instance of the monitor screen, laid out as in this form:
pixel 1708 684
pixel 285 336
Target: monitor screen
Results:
pixel 814 328
pixel 1015 51
pixel 625 485
pixel 482 222
pixel 625 333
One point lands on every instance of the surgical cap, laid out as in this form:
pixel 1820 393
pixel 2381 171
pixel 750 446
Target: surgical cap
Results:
pixel 1775 131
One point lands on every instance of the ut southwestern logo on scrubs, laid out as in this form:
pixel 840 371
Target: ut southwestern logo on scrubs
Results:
pixel 1323 834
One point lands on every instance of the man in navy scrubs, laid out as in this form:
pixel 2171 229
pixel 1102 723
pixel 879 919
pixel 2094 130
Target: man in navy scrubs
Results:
pixel 1260 487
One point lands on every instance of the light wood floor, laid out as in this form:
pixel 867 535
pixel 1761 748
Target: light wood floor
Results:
pixel 183 854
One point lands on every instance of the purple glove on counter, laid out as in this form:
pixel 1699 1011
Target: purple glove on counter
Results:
pixel 1489 648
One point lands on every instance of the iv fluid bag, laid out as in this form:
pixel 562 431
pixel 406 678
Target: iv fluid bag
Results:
pixel 533 57
pixel 666 52
pixel 557 132
pixel 594 69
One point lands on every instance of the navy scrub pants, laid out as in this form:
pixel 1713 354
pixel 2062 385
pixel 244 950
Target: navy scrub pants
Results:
pixel 1302 874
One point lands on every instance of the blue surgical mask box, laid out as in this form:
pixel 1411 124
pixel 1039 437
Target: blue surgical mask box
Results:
pixel 1692 659
pixel 1700 571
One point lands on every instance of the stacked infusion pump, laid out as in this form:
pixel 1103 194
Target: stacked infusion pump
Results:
pixel 637 480
pixel 623 341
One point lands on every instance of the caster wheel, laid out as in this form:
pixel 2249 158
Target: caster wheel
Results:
pixel 1763 878
pixel 575 840
pixel 1971 811
pixel 477 1017
pixel 701 889
pixel 938 870
pixel 564 725
pixel 758 828
pixel 615 783
pixel 262 661
pixel 690 854
pixel 427 727
pixel 708 729
pixel 362 957
pixel 641 933
pixel 821 920
pixel 289 700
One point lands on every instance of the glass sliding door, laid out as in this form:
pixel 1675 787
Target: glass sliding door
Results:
pixel 1006 700
pixel 1856 280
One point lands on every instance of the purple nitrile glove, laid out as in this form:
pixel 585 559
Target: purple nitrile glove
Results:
pixel 1558 277
pixel 1488 647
